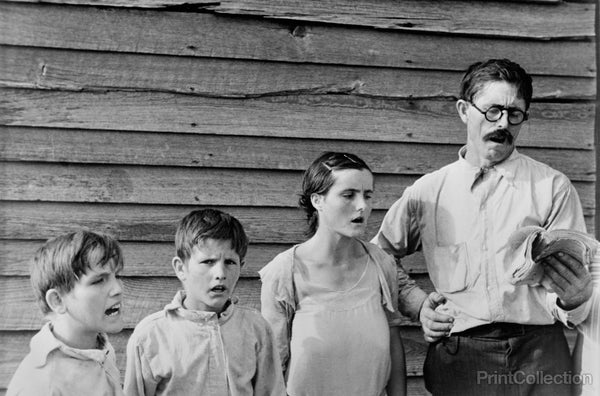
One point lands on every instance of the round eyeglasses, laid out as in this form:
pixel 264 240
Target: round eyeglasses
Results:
pixel 494 113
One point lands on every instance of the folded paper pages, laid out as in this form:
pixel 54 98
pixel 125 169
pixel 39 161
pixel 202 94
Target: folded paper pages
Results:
pixel 578 245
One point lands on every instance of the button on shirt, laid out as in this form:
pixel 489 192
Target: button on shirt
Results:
pixel 184 352
pixel 461 216
pixel 53 368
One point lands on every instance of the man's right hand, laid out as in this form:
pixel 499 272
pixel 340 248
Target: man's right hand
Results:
pixel 435 324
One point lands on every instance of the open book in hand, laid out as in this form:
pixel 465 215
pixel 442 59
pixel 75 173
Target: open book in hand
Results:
pixel 578 245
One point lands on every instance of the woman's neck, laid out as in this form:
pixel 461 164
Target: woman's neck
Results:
pixel 328 248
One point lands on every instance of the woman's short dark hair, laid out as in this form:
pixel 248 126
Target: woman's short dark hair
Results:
pixel 318 179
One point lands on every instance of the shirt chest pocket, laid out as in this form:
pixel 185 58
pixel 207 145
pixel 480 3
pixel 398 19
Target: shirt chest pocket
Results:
pixel 449 267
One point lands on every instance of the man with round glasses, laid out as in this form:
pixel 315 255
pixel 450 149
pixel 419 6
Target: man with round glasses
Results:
pixel 487 335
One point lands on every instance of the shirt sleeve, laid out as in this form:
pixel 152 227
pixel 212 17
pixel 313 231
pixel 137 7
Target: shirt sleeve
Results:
pixel 566 213
pixel 399 233
pixel 399 236
pixel 138 379
pixel 268 380
pixel 571 317
pixel 385 263
pixel 278 313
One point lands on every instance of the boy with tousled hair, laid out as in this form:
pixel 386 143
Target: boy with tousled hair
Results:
pixel 202 343
pixel 74 278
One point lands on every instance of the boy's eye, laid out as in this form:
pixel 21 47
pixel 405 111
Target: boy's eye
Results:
pixel 231 262
pixel 98 281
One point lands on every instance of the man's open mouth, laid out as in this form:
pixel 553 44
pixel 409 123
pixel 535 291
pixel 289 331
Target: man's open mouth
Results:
pixel 501 136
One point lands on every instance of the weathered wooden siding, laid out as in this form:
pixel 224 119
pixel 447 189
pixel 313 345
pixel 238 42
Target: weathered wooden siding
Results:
pixel 122 119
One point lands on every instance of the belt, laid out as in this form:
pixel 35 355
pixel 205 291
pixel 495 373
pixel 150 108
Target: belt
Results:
pixel 505 330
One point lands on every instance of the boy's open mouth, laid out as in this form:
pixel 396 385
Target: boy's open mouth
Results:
pixel 114 310
pixel 218 289
pixel 358 220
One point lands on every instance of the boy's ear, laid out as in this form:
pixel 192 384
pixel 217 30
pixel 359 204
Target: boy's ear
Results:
pixel 55 301
pixel 179 268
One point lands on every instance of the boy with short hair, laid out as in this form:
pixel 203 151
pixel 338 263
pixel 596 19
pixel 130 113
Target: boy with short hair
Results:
pixel 202 343
pixel 74 278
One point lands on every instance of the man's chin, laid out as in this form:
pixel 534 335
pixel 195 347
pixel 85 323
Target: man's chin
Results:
pixel 498 152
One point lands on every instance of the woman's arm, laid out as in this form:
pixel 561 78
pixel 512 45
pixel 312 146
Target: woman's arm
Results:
pixel 397 383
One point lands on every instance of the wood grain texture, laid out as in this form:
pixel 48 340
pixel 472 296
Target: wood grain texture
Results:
pixel 154 258
pixel 185 34
pixel 141 296
pixel 59 69
pixel 464 17
pixel 28 144
pixel 149 223
pixel 24 181
pixel 302 116
pixel 160 185
pixel 563 19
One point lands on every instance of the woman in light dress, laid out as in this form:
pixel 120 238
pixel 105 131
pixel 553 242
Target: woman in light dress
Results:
pixel 332 300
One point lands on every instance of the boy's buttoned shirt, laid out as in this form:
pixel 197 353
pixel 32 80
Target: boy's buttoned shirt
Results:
pixel 462 216
pixel 53 368
pixel 183 352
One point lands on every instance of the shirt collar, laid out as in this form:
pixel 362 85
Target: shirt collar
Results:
pixel 506 168
pixel 44 343
pixel 176 307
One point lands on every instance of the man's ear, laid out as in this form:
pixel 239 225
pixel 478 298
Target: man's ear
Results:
pixel 55 301
pixel 462 106
pixel 179 268
pixel 315 200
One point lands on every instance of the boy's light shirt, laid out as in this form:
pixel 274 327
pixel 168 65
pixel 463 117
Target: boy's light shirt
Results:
pixel 53 368
pixel 461 218
pixel 183 352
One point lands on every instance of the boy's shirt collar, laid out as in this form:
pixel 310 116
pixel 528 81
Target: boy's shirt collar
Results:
pixel 176 307
pixel 44 342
